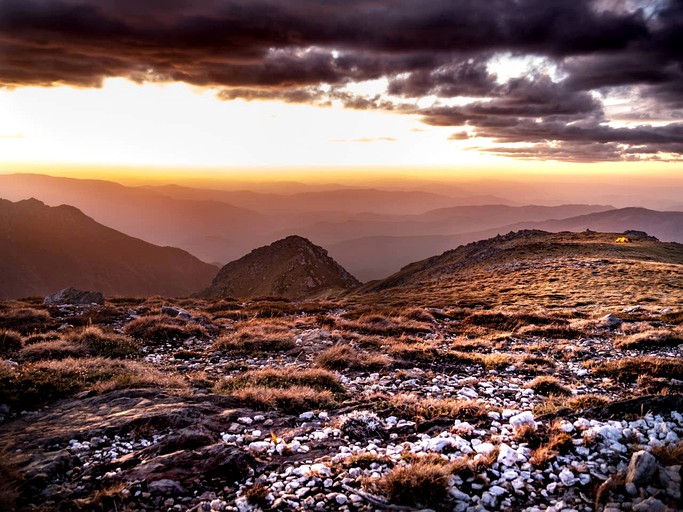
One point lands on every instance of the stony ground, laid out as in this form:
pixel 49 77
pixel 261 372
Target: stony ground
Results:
pixel 343 406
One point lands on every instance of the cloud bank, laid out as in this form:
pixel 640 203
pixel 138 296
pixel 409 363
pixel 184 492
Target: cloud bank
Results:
pixel 603 79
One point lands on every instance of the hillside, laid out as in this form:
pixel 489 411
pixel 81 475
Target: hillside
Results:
pixel 293 268
pixel 532 265
pixel 43 249
pixel 142 213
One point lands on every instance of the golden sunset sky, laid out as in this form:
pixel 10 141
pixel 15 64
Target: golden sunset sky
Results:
pixel 319 90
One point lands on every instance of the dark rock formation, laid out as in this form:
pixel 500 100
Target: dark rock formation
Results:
pixel 74 297
pixel 293 268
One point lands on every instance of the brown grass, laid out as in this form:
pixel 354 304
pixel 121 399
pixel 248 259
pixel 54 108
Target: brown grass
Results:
pixel 257 494
pixel 385 326
pixel 628 369
pixel 421 484
pixel 291 400
pixel 282 378
pixel 155 329
pixel 99 343
pixel 555 330
pixel 652 338
pixel 34 384
pixel 344 357
pixel 420 409
pixel 413 351
pixel 558 443
pixel 674 317
pixel 57 349
pixel 365 460
pixel 547 385
pixel 25 320
pixel 669 455
pixel 257 336
pixel 10 342
pixel 581 402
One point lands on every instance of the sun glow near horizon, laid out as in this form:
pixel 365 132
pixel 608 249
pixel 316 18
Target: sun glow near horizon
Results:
pixel 176 125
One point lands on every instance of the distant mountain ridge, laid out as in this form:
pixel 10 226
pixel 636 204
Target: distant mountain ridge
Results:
pixel 44 249
pixel 293 268
pixel 371 232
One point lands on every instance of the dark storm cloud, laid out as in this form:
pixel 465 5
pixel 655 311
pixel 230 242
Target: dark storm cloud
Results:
pixel 306 51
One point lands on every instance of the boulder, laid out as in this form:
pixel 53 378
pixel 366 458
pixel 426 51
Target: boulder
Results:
pixel 611 321
pixel 74 296
pixel 640 471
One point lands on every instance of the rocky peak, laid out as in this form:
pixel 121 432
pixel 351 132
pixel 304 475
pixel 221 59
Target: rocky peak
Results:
pixel 293 267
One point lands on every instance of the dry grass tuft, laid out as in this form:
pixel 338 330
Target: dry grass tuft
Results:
pixel 25 320
pixel 420 409
pixel 547 385
pixel 163 329
pixel 629 369
pixel 99 343
pixel 674 317
pixel 650 339
pixel 257 336
pixel 282 378
pixel 418 352
pixel 421 484
pixel 558 443
pixel 291 400
pixel 257 495
pixel 385 326
pixel 365 459
pixel 586 401
pixel 555 330
pixel 344 357
pixel 669 455
pixel 57 349
pixel 10 342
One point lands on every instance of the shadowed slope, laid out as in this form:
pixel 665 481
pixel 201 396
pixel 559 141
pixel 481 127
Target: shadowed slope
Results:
pixel 43 249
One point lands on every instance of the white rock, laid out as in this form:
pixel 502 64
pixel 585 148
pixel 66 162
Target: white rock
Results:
pixel 439 444
pixel 523 419
pixel 497 490
pixel 484 448
pixel 259 446
pixel 468 392
pixel 321 469
pixel 245 420
pixel 340 499
pixel 507 456
pixel 567 477
pixel 566 426
pixel 307 415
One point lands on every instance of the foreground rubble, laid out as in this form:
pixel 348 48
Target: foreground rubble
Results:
pixel 424 416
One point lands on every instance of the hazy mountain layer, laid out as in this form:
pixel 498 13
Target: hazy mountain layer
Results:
pixel 44 249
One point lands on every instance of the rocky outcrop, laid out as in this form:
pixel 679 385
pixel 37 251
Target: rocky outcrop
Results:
pixel 74 297
pixel 293 268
